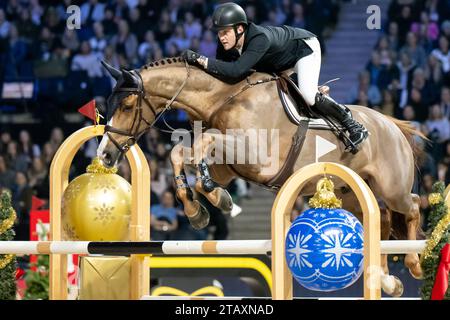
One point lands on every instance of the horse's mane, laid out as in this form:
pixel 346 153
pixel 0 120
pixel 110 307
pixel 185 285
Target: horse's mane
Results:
pixel 162 62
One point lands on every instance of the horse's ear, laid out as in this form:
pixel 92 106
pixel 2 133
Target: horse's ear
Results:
pixel 116 74
pixel 128 78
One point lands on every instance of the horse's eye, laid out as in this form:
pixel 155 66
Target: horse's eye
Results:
pixel 127 108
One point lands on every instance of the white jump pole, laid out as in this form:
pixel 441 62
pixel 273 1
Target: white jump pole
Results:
pixel 225 247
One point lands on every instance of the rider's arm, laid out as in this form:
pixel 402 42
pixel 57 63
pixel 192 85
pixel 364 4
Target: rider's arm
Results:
pixel 256 49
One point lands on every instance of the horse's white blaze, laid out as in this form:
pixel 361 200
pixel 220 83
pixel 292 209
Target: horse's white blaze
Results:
pixel 104 142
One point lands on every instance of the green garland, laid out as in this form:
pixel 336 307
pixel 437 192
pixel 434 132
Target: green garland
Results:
pixel 438 235
pixel 8 263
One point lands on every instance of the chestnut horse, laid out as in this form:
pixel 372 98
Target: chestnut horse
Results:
pixel 386 160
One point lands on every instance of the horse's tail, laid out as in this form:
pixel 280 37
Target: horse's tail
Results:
pixel 410 133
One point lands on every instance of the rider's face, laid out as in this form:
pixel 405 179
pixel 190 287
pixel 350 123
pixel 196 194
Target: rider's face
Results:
pixel 227 38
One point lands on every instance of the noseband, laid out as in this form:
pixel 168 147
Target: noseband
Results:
pixel 133 134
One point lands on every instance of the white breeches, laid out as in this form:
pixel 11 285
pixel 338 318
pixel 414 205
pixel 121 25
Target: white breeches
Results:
pixel 308 70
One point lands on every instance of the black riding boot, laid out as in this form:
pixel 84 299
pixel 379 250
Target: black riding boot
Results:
pixel 329 107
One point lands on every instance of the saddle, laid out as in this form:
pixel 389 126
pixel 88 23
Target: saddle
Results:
pixel 296 108
pixel 304 117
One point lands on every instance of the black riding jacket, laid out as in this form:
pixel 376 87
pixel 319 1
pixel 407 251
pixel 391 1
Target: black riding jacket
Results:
pixel 265 49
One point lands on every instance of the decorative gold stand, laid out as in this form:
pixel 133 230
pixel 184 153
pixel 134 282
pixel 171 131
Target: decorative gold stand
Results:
pixel 281 213
pixel 140 211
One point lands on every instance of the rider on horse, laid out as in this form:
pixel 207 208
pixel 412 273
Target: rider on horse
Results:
pixel 244 46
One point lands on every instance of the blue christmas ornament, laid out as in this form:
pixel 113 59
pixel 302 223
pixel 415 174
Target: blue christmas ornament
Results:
pixel 324 248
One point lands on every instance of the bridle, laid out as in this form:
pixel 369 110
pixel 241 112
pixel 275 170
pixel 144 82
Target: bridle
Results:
pixel 133 134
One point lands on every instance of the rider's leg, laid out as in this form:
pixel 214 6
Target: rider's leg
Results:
pixel 308 69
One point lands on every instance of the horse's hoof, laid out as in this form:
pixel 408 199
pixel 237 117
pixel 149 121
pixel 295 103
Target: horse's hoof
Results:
pixel 399 288
pixel 225 202
pixel 416 272
pixel 208 185
pixel 200 219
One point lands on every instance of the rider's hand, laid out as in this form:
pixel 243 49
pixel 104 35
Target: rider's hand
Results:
pixel 190 56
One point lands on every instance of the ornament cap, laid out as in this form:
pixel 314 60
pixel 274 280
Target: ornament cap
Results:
pixel 325 197
pixel 97 167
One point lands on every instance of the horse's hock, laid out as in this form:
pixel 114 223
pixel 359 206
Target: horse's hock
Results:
pixel 140 204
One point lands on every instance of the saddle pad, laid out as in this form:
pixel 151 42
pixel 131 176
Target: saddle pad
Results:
pixel 290 107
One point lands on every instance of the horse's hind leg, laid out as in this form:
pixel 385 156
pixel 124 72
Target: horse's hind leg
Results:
pixel 412 224
pixel 407 204
pixel 197 214
pixel 390 284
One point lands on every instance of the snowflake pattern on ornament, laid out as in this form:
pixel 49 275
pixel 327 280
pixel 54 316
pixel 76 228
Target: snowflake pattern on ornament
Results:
pixel 324 249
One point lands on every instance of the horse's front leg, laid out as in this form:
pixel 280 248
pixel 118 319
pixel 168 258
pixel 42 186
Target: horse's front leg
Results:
pixel 197 214
pixel 216 195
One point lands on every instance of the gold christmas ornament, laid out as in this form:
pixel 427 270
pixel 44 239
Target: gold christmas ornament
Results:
pixel 325 197
pixel 96 206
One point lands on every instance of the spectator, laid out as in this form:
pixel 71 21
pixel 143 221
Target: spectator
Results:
pixel 37 175
pixel 297 20
pixel 147 48
pixel 443 55
pixel 87 61
pixel 445 102
pixel 26 145
pixel 36 11
pixel 56 138
pixel 70 41
pixel 5 139
pixel 125 43
pixel 164 217
pixel 108 23
pixel 192 28
pixel 208 46
pixel 433 71
pixel 179 39
pixel 437 125
pixel 165 27
pixel 92 11
pixel 364 86
pixel 410 115
pixel 17 55
pixel 388 105
pixel 393 36
pixel 426 30
pixel 415 52
pixel 21 201
pixel 159 179
pixel 120 9
pixel 4 25
pixel 16 160
pixel 7 175
pixel 98 42
pixel 26 27
pixel 138 26
pixel 406 68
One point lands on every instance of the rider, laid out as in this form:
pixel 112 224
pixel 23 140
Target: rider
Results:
pixel 244 46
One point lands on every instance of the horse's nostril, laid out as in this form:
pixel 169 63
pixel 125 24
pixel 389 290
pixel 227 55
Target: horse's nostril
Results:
pixel 107 159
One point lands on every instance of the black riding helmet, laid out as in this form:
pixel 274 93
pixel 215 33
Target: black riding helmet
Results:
pixel 229 15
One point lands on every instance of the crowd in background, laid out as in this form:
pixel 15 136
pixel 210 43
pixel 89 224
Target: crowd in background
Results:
pixel 36 45
pixel 407 76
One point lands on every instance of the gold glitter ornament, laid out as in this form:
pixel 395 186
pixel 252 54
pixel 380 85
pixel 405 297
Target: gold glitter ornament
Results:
pixel 325 197
pixel 96 206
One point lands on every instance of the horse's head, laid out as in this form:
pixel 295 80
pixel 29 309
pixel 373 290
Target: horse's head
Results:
pixel 127 117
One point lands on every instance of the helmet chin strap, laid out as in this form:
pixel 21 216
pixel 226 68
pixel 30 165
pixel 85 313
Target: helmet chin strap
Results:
pixel 237 35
